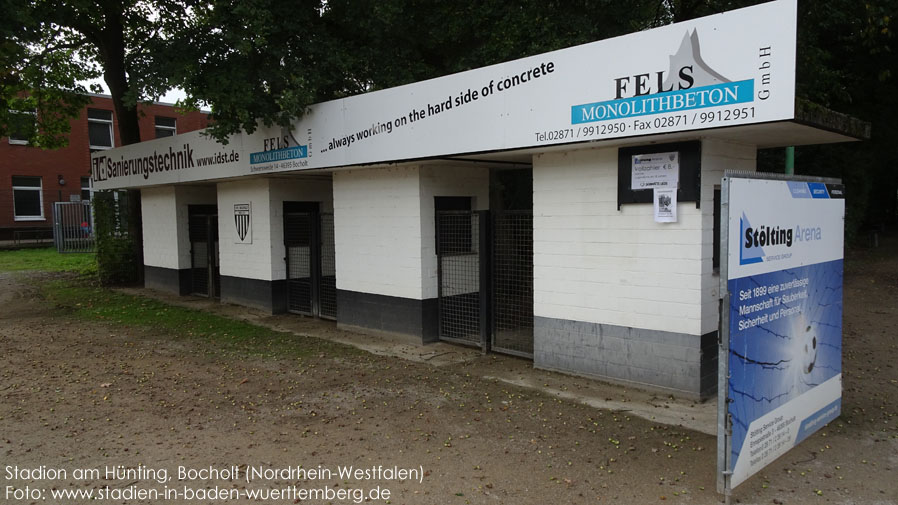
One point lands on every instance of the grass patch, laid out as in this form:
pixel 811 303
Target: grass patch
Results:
pixel 90 302
pixel 47 260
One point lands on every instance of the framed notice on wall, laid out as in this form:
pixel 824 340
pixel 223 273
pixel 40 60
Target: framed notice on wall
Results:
pixel 655 170
pixel 641 170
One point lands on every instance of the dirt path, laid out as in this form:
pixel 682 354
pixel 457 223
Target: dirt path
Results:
pixel 77 395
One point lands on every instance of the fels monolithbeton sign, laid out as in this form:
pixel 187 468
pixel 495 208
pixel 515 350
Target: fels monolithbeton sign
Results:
pixel 729 69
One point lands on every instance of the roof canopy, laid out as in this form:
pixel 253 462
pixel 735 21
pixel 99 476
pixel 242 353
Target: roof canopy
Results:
pixel 730 75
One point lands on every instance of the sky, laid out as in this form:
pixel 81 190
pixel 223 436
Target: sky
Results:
pixel 172 96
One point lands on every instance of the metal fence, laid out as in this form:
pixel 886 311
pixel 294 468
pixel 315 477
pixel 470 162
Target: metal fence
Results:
pixel 485 279
pixel 327 291
pixel 512 276
pixel 73 227
pixel 298 240
pixel 461 293
pixel 311 269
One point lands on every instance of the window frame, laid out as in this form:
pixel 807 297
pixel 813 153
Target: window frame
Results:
pixel 89 188
pixel 40 193
pixel 108 122
pixel 173 129
pixel 20 141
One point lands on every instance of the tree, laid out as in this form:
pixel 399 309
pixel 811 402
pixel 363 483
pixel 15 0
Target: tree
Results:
pixel 253 61
pixel 35 78
pixel 48 46
pixel 846 60
pixel 265 61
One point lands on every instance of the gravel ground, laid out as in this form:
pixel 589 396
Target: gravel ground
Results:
pixel 78 395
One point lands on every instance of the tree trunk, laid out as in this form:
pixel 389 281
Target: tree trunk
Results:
pixel 112 54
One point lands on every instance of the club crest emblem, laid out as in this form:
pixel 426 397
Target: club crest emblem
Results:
pixel 243 222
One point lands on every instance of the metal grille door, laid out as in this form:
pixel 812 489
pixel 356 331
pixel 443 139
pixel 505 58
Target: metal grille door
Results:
pixel 512 276
pixel 199 255
pixel 298 239
pixel 203 234
pixel 327 291
pixel 462 311
pixel 214 266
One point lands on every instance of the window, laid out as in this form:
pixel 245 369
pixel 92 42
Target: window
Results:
pixel 21 126
pixel 99 128
pixel 28 199
pixel 165 127
pixel 85 188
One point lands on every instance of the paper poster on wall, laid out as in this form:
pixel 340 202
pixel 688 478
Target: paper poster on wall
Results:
pixel 781 357
pixel 656 170
pixel 243 223
pixel 665 201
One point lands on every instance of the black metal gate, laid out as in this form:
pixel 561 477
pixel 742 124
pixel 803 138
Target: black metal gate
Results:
pixel 485 279
pixel 462 290
pixel 512 276
pixel 327 286
pixel 203 234
pixel 311 273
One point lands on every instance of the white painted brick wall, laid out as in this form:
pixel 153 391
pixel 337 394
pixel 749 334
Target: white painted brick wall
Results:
pixel 596 264
pixel 310 189
pixel 166 241
pixel 249 261
pixel 717 156
pixel 447 180
pixel 377 221
pixel 158 210
pixel 186 196
pixel 263 259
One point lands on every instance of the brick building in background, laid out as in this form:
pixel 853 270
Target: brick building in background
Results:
pixel 32 179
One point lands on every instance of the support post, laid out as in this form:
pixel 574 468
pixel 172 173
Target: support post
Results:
pixel 485 251
pixel 790 160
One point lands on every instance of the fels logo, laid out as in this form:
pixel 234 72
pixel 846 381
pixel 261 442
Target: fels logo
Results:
pixel 687 69
pixel 687 83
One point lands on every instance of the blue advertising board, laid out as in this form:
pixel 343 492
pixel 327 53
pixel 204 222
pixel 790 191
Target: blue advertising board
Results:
pixel 782 342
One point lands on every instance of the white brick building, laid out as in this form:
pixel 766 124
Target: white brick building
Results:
pixel 384 216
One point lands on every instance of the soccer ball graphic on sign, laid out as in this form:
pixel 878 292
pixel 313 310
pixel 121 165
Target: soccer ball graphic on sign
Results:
pixel 809 351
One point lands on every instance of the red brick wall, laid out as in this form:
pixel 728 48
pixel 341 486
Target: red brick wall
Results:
pixel 72 162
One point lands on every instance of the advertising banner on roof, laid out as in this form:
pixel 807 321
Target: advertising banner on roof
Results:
pixel 730 69
pixel 782 352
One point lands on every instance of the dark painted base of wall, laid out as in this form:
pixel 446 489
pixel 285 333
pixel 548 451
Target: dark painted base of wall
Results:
pixel 270 296
pixel 170 280
pixel 685 364
pixel 28 234
pixel 388 314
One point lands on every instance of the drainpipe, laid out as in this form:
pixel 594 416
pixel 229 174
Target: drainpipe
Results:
pixel 790 160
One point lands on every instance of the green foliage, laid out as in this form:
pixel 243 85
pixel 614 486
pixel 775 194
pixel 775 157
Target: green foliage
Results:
pixel 39 76
pixel 846 62
pixel 91 302
pixel 47 260
pixel 257 61
pixel 47 47
pixel 117 261
pixel 265 62
pixel 393 42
